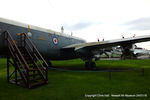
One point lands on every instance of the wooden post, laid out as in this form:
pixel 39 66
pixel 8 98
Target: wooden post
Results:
pixel 28 85
pixel 16 75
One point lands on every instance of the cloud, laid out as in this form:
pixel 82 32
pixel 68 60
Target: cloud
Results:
pixel 139 24
pixel 79 26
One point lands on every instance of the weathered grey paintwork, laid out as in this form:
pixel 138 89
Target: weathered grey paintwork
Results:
pixel 42 38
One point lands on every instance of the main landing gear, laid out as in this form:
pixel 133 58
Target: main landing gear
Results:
pixel 90 65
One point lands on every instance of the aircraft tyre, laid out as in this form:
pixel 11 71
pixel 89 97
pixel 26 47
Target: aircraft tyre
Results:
pixel 87 65
pixel 90 65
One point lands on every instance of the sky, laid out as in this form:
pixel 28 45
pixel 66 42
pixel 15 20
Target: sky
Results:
pixel 87 19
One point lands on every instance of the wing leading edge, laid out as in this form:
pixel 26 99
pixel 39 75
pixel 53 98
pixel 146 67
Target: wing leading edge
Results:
pixel 106 44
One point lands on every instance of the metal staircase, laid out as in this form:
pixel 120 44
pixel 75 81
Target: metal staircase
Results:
pixel 30 69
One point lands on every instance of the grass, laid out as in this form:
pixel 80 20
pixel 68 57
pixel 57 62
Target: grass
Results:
pixel 74 85
pixel 105 63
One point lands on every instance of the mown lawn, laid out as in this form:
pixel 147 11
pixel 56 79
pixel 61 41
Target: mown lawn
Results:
pixel 75 85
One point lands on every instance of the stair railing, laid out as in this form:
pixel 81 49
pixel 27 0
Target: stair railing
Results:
pixel 17 58
pixel 36 56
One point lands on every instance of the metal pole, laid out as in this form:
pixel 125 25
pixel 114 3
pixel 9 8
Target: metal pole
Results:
pixel 109 75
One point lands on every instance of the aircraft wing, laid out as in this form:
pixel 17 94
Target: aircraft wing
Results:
pixel 105 44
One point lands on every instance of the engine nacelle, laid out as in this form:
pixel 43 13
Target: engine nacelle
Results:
pixel 128 51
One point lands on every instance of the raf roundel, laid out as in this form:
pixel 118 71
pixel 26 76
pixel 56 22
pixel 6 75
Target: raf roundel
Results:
pixel 55 40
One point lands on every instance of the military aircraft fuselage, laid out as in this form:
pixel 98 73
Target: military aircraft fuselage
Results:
pixel 48 42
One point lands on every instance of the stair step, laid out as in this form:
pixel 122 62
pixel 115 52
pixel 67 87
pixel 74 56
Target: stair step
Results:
pixel 26 56
pixel 35 79
pixel 29 62
pixel 38 84
pixel 31 75
pixel 37 68
pixel 32 69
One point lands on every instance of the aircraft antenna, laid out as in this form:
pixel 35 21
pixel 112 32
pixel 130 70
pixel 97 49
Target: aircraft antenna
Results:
pixel 122 36
pixel 29 33
pixel 103 38
pixel 62 29
pixel 98 39
pixel 28 28
pixel 134 35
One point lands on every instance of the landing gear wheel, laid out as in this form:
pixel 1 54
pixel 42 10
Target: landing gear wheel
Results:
pixel 90 65
pixel 87 65
pixel 93 65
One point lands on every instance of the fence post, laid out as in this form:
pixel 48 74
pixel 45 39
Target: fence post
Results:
pixel 109 75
